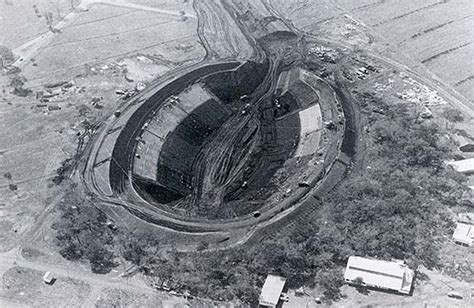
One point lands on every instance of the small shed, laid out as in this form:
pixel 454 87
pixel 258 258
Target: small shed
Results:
pixel 464 234
pixel 271 291
pixel 48 278
pixel 387 275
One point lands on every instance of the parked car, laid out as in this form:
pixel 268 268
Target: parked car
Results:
pixel 284 297
pixel 454 294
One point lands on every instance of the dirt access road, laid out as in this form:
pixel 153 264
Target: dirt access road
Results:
pixel 97 283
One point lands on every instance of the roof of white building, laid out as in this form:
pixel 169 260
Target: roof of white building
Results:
pixel 271 290
pixel 378 273
pixel 464 166
pixel 464 233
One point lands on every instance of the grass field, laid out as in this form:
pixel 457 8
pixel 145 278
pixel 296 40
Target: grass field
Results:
pixel 26 286
pixel 19 22
pixel 108 33
pixel 172 5
pixel 304 13
pixel 437 34
pixel 33 144
pixel 121 298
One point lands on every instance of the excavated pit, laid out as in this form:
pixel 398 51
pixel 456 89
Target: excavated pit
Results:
pixel 189 178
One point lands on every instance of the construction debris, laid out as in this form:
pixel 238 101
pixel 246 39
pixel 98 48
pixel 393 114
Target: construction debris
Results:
pixel 325 54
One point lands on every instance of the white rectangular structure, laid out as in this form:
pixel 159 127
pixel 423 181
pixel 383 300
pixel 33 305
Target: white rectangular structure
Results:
pixel 464 234
pixel 465 166
pixel 388 275
pixel 48 278
pixel 271 291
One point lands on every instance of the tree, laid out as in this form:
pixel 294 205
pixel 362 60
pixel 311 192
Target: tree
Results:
pixel 453 116
pixel 67 166
pixel 331 282
pixel 140 248
pixel 49 20
pixel 18 82
pixel 203 245
pixel 6 57
pixel 101 260
pixel 82 232
pixel 360 286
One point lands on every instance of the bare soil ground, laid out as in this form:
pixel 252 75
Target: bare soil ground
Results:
pixel 25 286
pixel 427 293
pixel 220 32
pixel 431 292
pixel 121 298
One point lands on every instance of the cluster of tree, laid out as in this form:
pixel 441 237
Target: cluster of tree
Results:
pixel 310 257
pixel 11 186
pixel 62 173
pixel 17 82
pixel 452 115
pixel 394 208
pixel 6 57
pixel 49 15
pixel 82 231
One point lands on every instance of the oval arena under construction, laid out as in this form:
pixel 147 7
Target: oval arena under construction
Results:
pixel 223 146
pixel 237 153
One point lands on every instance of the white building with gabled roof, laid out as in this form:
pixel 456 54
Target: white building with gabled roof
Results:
pixel 464 234
pixel 388 275
pixel 271 291
pixel 465 166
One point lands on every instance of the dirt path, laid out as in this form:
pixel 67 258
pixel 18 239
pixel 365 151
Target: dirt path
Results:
pixel 97 282
pixel 28 50
pixel 126 4
pixel 14 258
